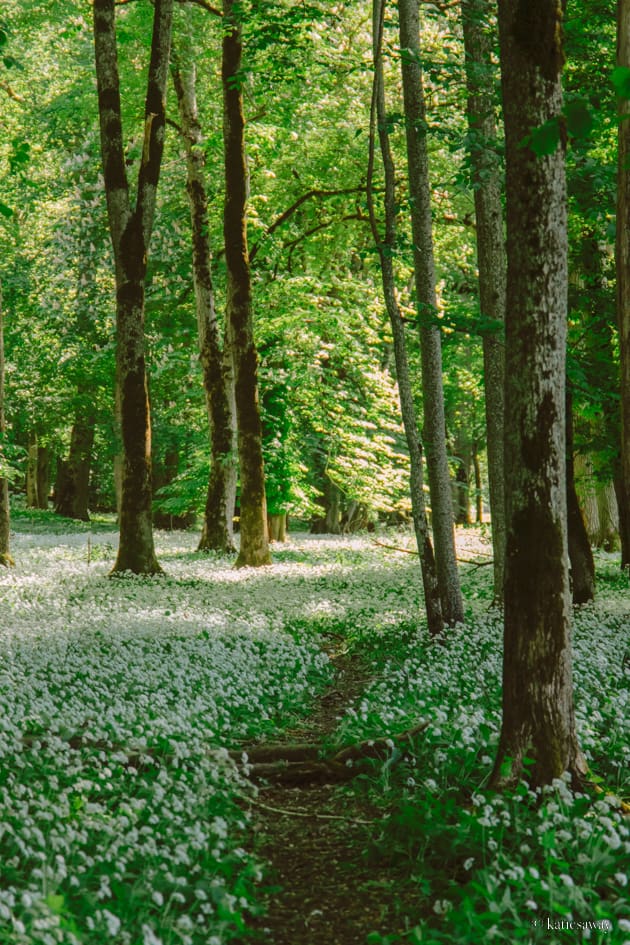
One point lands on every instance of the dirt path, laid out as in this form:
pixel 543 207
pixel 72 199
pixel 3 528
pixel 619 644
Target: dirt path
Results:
pixel 315 838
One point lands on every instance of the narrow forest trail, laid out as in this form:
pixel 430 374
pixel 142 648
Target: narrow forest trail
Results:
pixel 315 837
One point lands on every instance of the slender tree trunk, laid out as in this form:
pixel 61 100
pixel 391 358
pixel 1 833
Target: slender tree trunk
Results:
pixel 386 249
pixel 254 549
pixel 622 257
pixel 130 230
pixel 32 499
pixel 487 178
pixel 478 485
pixel 430 338
pixel 538 714
pixel 44 468
pixel 5 513
pixel 217 532
pixel 580 554
pixel 462 482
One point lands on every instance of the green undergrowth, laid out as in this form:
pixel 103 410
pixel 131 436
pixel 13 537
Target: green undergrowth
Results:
pixel 527 866
pixel 122 817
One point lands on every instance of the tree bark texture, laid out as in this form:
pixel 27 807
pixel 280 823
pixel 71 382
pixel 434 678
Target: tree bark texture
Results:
pixel 386 249
pixel 538 714
pixel 622 258
pixel 130 229
pixel 580 554
pixel 434 433
pixel 254 550
pixel 216 360
pixel 73 474
pixel 5 512
pixel 488 184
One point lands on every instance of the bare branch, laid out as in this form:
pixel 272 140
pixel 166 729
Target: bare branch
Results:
pixel 14 95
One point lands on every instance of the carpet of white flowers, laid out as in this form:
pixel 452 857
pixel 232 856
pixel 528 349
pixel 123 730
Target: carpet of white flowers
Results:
pixel 121 815
pixel 505 868
pixel 118 698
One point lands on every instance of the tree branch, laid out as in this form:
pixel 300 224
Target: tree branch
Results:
pixel 315 193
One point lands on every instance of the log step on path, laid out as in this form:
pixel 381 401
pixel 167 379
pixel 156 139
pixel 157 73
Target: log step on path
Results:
pixel 316 834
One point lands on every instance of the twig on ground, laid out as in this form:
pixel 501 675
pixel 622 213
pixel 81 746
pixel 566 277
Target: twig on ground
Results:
pixel 309 814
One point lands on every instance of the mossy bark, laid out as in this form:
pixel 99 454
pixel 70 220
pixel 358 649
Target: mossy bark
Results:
pixel 434 431
pixel 254 549
pixel 216 359
pixel 130 230
pixel 538 714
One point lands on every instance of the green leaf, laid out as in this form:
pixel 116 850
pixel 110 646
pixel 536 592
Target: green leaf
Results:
pixel 579 119
pixel 5 211
pixel 55 903
pixel 621 80
pixel 544 139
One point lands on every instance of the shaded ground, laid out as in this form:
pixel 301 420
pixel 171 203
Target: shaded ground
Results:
pixel 315 838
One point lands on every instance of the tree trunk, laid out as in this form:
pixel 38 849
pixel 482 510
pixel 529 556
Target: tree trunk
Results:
pixel 130 230
pixel 478 486
pixel 598 503
pixel 73 475
pixel 487 178
pixel 44 469
pixel 278 527
pixel 538 713
pixel 386 249
pixel 217 531
pixel 254 549
pixel 32 498
pixel 580 554
pixel 622 258
pixel 462 482
pixel 5 512
pixel 430 338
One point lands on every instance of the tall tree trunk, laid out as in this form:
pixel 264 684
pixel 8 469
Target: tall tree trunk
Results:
pixel 73 475
pixel 217 531
pixel 462 481
pixel 254 549
pixel 386 249
pixel 622 257
pixel 538 713
pixel 478 484
pixel 44 468
pixel 487 178
pixel 5 513
pixel 32 498
pixel 434 432
pixel 130 230
pixel 580 554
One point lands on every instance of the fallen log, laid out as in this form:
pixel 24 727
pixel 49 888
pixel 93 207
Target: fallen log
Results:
pixel 295 764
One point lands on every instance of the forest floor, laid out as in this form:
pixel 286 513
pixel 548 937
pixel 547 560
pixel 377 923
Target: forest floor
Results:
pixel 126 707
pixel 316 839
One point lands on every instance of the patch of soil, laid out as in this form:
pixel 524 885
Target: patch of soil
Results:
pixel 315 838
